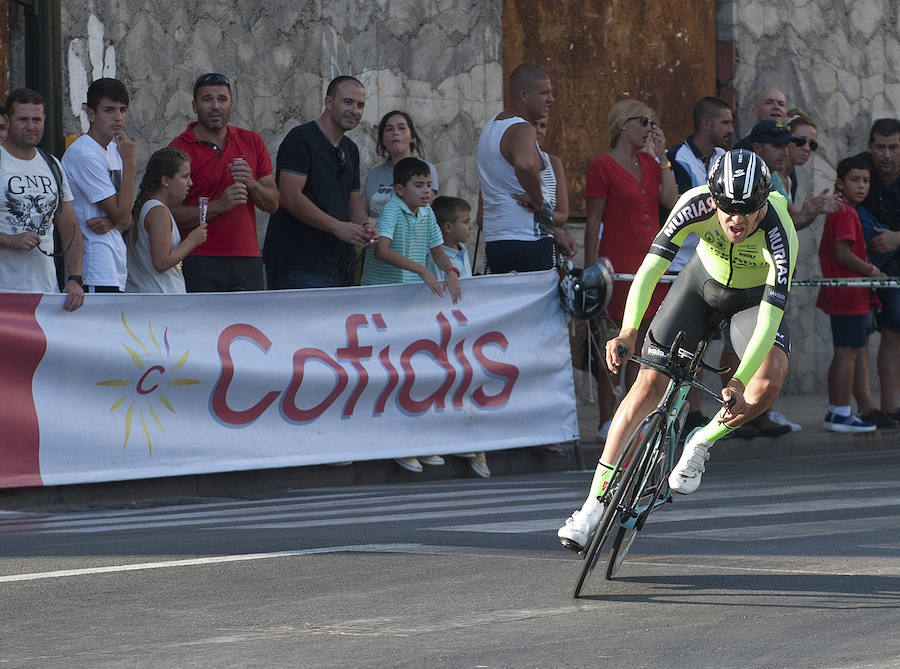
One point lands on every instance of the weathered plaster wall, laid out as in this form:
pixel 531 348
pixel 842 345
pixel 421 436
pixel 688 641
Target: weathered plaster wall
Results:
pixel 840 61
pixel 439 60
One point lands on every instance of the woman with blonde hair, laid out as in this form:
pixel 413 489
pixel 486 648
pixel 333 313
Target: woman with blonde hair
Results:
pixel 623 193
pixel 803 128
pixel 800 150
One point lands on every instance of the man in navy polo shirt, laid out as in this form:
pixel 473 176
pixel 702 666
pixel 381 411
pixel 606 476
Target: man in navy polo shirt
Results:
pixel 322 213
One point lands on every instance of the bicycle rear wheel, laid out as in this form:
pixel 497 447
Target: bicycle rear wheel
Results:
pixel 624 483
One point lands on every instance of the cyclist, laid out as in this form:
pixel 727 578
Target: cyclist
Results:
pixel 743 268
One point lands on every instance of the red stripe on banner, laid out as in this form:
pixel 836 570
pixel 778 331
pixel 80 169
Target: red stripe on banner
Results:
pixel 22 346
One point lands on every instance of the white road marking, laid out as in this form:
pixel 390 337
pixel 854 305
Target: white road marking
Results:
pixel 221 559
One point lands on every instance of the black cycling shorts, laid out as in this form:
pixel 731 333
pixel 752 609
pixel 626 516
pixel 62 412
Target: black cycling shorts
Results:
pixel 696 302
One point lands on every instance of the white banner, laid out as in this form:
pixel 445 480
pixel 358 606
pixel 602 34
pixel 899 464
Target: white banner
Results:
pixel 139 386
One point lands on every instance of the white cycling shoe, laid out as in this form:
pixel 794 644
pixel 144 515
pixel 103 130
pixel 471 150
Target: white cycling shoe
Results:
pixel 685 477
pixel 580 526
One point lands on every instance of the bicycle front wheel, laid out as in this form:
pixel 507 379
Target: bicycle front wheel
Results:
pixel 643 492
pixel 623 487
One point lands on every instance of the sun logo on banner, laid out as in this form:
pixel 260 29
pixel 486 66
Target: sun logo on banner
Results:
pixel 154 370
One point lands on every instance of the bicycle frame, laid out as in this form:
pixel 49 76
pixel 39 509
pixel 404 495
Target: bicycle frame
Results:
pixel 681 379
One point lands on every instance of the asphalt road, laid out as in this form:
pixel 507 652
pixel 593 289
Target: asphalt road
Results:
pixel 772 563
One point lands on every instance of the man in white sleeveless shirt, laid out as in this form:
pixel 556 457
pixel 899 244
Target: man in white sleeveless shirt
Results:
pixel 517 222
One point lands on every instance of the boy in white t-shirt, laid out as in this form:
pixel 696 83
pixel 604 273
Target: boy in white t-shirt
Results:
pixel 101 166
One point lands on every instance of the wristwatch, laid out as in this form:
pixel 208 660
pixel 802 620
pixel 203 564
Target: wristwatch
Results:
pixel 77 278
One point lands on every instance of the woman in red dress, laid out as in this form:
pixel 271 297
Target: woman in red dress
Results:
pixel 623 192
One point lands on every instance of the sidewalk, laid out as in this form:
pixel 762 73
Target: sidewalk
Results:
pixel 812 439
pixel 807 410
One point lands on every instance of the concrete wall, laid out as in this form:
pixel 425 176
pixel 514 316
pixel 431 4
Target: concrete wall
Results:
pixel 439 60
pixel 840 61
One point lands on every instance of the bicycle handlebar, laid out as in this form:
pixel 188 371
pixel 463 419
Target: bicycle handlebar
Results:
pixel 676 353
pixel 694 382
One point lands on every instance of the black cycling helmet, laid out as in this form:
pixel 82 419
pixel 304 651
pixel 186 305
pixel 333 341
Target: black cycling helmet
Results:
pixel 740 182
pixel 585 293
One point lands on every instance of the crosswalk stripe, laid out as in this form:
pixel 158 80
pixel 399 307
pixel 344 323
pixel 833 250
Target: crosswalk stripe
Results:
pixel 449 509
pixel 275 511
pixel 667 515
pixel 242 524
pixel 213 508
pixel 793 530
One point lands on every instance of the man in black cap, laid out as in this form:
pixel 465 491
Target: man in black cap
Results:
pixel 769 140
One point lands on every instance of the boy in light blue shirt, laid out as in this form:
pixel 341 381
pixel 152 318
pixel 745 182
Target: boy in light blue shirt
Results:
pixel 454 217
pixel 409 234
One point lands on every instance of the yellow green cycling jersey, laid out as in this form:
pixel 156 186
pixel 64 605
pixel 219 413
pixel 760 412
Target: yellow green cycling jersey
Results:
pixel 765 258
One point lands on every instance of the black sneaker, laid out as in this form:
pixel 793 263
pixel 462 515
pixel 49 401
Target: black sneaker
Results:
pixel 767 427
pixel 880 419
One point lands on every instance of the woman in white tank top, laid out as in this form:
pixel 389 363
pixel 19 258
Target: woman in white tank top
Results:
pixel 155 247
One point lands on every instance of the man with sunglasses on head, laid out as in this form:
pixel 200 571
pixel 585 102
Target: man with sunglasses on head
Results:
pixel 769 140
pixel 230 166
pixel 35 196
pixel 322 212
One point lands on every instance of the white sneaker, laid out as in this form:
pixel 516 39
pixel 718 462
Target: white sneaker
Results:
pixel 479 465
pixel 781 419
pixel 410 464
pixel 603 431
pixel 579 527
pixel 685 478
pixel 433 460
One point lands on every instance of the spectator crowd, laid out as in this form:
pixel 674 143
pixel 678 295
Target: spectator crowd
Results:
pixel 83 225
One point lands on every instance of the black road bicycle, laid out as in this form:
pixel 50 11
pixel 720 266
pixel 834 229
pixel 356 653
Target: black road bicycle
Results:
pixel 640 480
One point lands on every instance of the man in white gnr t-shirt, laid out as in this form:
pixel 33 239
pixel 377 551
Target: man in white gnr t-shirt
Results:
pixel 101 166
pixel 32 200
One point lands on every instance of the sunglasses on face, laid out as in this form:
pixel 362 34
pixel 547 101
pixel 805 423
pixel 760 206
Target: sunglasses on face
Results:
pixel 813 144
pixel 644 120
